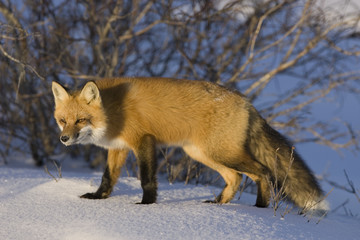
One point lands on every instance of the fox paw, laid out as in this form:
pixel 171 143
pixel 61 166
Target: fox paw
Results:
pixel 92 196
pixel 144 203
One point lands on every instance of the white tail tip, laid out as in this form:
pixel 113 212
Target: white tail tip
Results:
pixel 318 208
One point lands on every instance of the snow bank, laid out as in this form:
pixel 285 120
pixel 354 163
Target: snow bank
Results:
pixel 34 206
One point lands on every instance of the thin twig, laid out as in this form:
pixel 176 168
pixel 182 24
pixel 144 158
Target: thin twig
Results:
pixel 21 63
pixel 351 184
pixel 49 173
pixel 244 186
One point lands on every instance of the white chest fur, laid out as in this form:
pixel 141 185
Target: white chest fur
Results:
pixel 99 138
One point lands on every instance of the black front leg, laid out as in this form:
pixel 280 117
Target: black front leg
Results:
pixel 116 159
pixel 104 189
pixel 146 154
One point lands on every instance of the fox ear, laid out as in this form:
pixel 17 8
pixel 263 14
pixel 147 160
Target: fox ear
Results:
pixel 59 92
pixel 90 93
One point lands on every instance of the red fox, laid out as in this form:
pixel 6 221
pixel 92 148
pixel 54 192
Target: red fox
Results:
pixel 214 125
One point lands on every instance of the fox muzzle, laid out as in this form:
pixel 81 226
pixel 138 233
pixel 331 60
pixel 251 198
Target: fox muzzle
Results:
pixel 68 139
pixel 64 139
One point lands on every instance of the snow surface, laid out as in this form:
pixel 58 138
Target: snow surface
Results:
pixel 35 206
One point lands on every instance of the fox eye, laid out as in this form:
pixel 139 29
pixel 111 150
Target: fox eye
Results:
pixel 80 120
pixel 62 120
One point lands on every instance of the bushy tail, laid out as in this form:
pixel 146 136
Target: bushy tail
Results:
pixel 288 169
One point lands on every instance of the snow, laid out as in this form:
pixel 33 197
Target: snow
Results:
pixel 34 206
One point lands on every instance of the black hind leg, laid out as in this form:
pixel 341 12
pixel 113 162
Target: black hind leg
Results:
pixel 263 193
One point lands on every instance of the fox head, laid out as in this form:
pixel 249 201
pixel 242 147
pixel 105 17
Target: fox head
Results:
pixel 80 116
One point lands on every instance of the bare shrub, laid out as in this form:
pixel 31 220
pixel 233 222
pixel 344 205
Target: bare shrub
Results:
pixel 257 49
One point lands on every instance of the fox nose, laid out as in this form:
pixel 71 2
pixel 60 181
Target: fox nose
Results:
pixel 64 138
